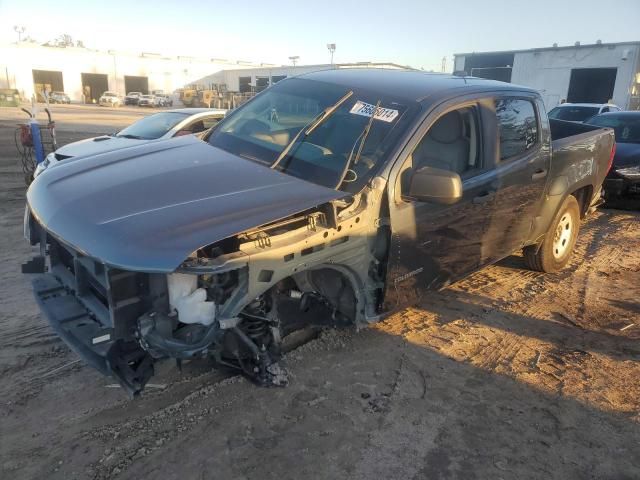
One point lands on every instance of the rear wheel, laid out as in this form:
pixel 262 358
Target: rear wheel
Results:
pixel 555 251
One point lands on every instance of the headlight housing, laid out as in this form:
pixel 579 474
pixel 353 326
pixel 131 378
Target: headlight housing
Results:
pixel 629 172
pixel 42 166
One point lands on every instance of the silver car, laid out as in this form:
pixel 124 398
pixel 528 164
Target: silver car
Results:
pixel 159 126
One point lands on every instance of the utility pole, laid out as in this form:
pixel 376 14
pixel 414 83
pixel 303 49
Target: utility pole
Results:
pixel 332 48
pixel 294 59
pixel 19 29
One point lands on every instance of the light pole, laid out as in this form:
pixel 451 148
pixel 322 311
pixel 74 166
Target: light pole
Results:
pixel 294 59
pixel 19 29
pixel 332 48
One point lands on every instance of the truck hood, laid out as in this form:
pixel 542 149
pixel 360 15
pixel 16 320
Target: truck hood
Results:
pixel 148 208
pixel 92 146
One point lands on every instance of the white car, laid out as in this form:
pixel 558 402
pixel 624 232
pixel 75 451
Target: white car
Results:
pixel 579 112
pixel 109 99
pixel 159 126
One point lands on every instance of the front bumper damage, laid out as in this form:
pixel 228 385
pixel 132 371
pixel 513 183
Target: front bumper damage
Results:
pixel 91 340
pixel 320 267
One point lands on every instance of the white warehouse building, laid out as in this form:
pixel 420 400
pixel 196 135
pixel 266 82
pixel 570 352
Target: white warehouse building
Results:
pixel 85 74
pixel 256 79
pixel 597 73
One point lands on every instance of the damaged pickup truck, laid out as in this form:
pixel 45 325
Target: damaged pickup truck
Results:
pixel 332 198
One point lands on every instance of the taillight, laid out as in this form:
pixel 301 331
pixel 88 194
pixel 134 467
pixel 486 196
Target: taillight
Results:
pixel 613 154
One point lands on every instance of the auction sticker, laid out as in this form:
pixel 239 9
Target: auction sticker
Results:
pixel 366 110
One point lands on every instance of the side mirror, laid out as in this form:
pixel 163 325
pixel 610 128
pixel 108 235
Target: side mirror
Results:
pixel 429 184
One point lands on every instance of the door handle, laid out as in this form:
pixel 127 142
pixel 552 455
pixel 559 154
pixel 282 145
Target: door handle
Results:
pixel 538 174
pixel 483 198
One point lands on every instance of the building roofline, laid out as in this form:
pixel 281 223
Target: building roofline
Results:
pixel 543 49
pixel 326 65
pixel 132 54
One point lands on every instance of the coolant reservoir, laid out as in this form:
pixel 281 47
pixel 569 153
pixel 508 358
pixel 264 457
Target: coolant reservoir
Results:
pixel 189 300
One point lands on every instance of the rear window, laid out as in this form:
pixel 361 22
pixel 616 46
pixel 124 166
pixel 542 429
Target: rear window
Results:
pixel 573 114
pixel 626 128
pixel 153 126
pixel 518 126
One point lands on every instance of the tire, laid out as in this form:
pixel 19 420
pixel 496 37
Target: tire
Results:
pixel 558 243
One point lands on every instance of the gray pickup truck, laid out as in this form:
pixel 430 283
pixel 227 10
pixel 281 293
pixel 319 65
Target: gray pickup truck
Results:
pixel 332 198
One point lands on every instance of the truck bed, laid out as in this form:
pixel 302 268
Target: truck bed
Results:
pixel 581 152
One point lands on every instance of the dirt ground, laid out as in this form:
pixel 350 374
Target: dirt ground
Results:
pixel 509 374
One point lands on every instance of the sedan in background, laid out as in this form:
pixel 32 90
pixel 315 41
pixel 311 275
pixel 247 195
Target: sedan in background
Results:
pixel 109 99
pixel 59 97
pixel 579 112
pixel 159 126
pixel 132 98
pixel 624 176
pixel 147 101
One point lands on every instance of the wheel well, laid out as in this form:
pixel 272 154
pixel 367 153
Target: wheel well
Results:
pixel 583 196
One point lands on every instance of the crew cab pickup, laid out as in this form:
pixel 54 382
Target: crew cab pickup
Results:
pixel 333 198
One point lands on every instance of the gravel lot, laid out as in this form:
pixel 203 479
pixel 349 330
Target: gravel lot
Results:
pixel 507 374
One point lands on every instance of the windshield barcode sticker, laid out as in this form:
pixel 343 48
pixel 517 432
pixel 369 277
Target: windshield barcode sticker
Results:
pixel 366 110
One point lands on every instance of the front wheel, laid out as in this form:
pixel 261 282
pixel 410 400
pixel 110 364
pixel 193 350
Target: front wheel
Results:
pixel 557 245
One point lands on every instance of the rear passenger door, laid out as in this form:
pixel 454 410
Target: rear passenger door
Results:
pixel 522 166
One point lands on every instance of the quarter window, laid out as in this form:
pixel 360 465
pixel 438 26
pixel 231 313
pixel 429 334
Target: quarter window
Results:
pixel 518 126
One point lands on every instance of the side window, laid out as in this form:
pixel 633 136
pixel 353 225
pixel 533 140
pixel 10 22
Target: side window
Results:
pixel 210 122
pixel 604 110
pixel 452 143
pixel 196 126
pixel 518 126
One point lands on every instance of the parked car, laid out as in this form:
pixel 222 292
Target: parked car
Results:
pixel 9 97
pixel 332 198
pixel 164 100
pixel 59 97
pixel 110 99
pixel 132 98
pixel 159 126
pixel 147 101
pixel 579 112
pixel 624 176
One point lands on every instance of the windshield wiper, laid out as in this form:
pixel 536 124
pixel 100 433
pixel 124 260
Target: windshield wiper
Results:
pixel 362 138
pixel 306 130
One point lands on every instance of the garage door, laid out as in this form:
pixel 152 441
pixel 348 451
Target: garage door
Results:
pixel 592 85
pixel 47 80
pixel 133 83
pixel 93 86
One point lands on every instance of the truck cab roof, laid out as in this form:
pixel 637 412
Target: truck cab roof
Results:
pixel 412 85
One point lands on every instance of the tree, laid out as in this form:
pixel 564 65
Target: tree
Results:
pixel 65 40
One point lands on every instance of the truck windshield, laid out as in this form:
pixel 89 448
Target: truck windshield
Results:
pixel 626 127
pixel 573 113
pixel 327 153
pixel 153 126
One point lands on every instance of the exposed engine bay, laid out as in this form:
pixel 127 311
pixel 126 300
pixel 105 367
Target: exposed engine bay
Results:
pixel 233 301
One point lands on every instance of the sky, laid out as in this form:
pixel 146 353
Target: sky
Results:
pixel 418 33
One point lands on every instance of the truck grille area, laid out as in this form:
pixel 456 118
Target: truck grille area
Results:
pixel 95 309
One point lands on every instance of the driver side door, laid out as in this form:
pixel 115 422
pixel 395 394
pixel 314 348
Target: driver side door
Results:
pixel 434 244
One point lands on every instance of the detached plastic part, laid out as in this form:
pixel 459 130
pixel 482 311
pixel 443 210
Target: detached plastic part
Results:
pixel 189 300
